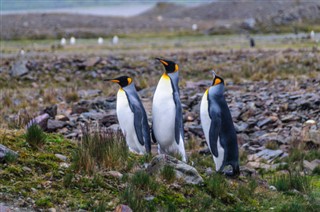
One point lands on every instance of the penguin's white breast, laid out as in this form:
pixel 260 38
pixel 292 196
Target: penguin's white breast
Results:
pixel 164 112
pixel 124 113
pixel 204 116
pixel 206 123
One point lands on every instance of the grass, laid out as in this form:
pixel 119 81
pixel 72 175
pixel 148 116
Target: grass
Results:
pixel 291 181
pixel 168 174
pixel 35 137
pixel 101 150
pixel 64 188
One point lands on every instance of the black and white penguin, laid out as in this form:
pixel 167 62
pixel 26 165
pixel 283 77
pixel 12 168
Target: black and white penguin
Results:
pixel 218 127
pixel 167 120
pixel 132 116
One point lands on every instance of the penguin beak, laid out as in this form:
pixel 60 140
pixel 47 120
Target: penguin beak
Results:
pixel 112 80
pixel 162 61
pixel 214 74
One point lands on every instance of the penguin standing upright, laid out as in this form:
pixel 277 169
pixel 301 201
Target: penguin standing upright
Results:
pixel 167 122
pixel 132 116
pixel 218 127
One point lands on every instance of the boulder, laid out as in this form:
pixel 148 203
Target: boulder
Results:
pixel 54 125
pixel 183 171
pixel 19 68
pixel 122 208
pixel 5 151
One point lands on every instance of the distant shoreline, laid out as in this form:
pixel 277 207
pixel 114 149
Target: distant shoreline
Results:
pixel 112 10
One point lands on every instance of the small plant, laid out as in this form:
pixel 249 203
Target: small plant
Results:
pixel 133 198
pixel 143 181
pixel 245 192
pixel 10 157
pixel 217 186
pixel 35 136
pixel 101 149
pixel 168 173
pixel 71 96
pixel 287 182
pixel 272 145
pixel 316 171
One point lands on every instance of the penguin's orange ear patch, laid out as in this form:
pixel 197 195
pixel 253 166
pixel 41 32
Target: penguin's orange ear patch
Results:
pixel 129 80
pixel 176 67
pixel 217 81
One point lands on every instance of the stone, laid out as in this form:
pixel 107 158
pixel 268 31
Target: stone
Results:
pixel 267 121
pixel 51 111
pixel 61 157
pixel 54 125
pixel 123 208
pixel 41 120
pixel 311 165
pixel 268 154
pixel 114 127
pixel 52 210
pixel 26 169
pixel 114 174
pixel 240 126
pixel 19 68
pixel 272 188
pixel 5 151
pixel 89 93
pixel 92 61
pixel 93 115
pixel 183 171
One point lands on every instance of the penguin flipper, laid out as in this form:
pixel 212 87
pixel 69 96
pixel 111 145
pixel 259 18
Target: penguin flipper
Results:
pixel 141 125
pixel 153 136
pixel 214 133
pixel 179 130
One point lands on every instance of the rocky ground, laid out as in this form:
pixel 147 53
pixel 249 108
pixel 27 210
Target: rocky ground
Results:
pixel 273 95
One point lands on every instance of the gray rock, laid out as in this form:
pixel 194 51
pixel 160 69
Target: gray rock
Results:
pixel 41 120
pixel 272 188
pixel 311 165
pixel 93 115
pixel 89 93
pixel 114 127
pixel 123 208
pixel 114 174
pixel 183 171
pixel 54 125
pixel 61 157
pixel 240 126
pixel 5 151
pixel 267 154
pixel 19 68
pixel 26 169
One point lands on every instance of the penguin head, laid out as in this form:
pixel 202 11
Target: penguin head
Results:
pixel 123 81
pixel 217 79
pixel 170 66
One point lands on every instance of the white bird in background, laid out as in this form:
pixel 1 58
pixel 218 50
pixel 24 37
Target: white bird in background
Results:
pixel 63 41
pixel 194 27
pixel 100 40
pixel 22 52
pixel 72 41
pixel 312 35
pixel 115 40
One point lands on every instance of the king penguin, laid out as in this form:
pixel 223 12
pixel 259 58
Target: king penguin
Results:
pixel 167 121
pixel 132 116
pixel 218 127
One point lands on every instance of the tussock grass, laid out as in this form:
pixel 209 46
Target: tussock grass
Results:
pixel 168 173
pixel 35 136
pixel 101 150
pixel 71 95
pixel 291 181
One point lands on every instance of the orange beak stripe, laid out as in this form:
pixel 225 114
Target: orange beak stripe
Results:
pixel 116 81
pixel 164 62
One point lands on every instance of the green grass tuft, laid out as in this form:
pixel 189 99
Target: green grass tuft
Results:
pixel 168 173
pixel 104 150
pixel 291 181
pixel 35 136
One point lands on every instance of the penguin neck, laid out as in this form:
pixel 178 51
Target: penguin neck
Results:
pixel 129 88
pixel 218 89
